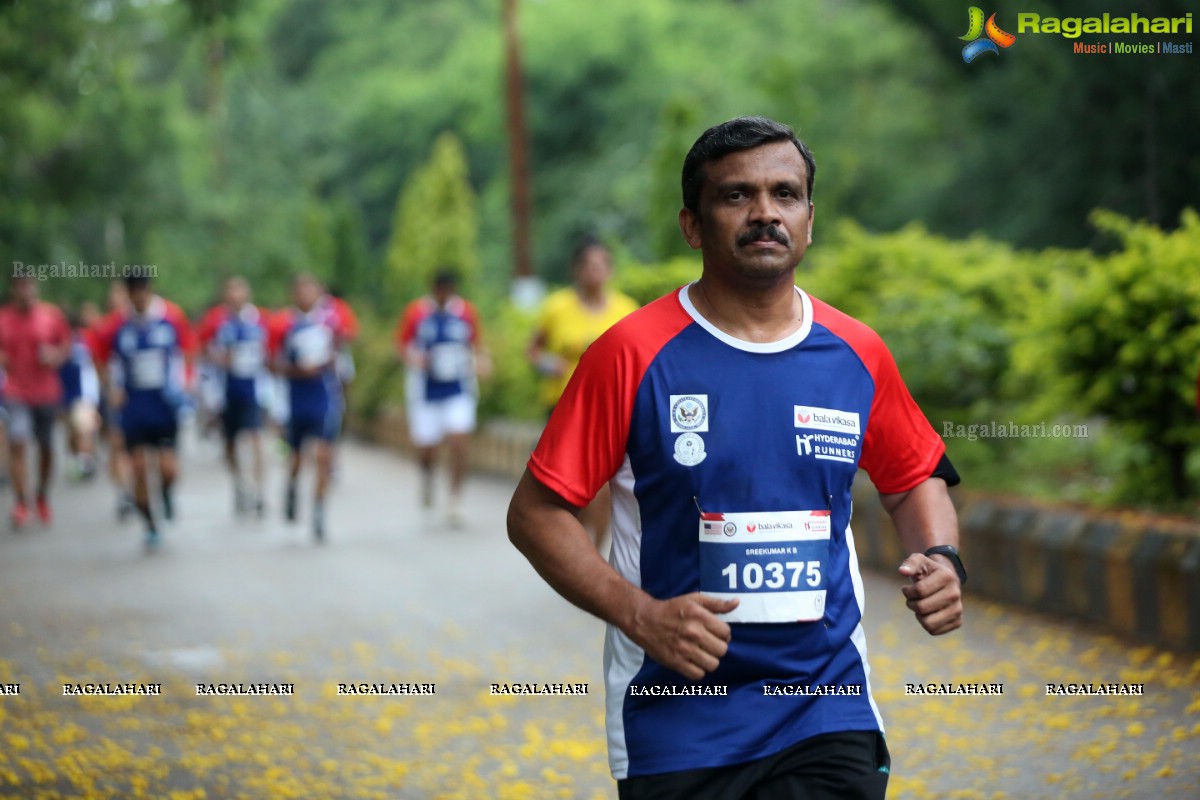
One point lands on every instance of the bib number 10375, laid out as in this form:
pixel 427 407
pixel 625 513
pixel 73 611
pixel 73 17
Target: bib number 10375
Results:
pixel 773 575
pixel 773 562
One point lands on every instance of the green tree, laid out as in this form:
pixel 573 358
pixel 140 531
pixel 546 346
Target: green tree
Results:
pixel 436 225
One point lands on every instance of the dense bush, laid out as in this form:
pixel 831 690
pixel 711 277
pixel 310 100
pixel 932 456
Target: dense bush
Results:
pixel 1121 341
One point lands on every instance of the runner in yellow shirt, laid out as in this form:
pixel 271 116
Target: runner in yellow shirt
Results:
pixel 570 320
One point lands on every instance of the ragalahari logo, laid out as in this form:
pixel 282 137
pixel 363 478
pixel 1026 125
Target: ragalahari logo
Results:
pixel 978 44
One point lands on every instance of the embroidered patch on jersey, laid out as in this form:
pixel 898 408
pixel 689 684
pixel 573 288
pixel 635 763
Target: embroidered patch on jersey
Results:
pixel 689 412
pixel 827 419
pixel 689 449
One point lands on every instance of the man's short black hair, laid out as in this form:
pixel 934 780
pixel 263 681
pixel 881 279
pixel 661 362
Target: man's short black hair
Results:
pixel 136 281
pixel 743 133
pixel 445 278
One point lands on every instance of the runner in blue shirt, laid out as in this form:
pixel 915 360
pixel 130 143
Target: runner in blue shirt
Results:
pixel 729 418
pixel 305 342
pixel 148 371
pixel 238 350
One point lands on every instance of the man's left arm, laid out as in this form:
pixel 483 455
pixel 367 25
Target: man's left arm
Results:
pixel 925 517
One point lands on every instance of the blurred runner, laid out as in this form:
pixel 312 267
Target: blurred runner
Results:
pixel 439 340
pixel 100 335
pixel 570 320
pixel 305 341
pixel 148 366
pixel 81 398
pixel 210 386
pixel 238 348
pixel 34 342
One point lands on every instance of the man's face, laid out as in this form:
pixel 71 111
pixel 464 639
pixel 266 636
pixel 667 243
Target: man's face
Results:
pixel 118 297
pixel 755 219
pixel 442 292
pixel 139 297
pixel 305 294
pixel 237 293
pixel 24 291
pixel 594 268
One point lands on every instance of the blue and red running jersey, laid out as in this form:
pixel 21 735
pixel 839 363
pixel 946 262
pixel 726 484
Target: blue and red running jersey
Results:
pixel 148 362
pixel 731 464
pixel 446 336
pixel 244 336
pixel 311 339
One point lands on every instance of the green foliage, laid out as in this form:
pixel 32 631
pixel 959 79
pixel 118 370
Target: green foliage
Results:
pixel 944 307
pixel 436 225
pixel 511 391
pixel 379 376
pixel 1122 341
pixel 647 282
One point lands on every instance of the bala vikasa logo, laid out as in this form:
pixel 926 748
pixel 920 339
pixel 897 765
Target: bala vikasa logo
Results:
pixel 983 38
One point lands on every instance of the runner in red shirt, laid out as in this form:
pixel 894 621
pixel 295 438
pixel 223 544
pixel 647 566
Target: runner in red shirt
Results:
pixel 34 341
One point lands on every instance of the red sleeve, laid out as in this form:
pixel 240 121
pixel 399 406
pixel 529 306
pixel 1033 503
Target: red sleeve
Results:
pixel 348 319
pixel 103 335
pixel 471 315
pixel 900 449
pixel 208 325
pixel 406 329
pixel 277 327
pixel 179 321
pixel 585 441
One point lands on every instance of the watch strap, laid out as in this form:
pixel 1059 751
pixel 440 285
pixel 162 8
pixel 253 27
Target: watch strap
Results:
pixel 951 552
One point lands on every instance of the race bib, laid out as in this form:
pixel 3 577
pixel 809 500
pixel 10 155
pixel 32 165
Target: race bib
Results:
pixel 313 346
pixel 448 361
pixel 148 369
pixel 773 562
pixel 246 359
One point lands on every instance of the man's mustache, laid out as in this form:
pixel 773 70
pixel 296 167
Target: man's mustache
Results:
pixel 760 232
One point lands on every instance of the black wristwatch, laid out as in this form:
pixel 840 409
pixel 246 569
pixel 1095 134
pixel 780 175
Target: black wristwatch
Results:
pixel 951 552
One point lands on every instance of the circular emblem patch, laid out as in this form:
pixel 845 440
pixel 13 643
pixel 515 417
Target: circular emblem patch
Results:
pixel 689 449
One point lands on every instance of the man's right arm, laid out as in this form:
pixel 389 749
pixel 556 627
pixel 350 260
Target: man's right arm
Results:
pixel 683 633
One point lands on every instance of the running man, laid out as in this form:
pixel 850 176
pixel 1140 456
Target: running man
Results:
pixel 35 340
pixel 305 342
pixel 439 340
pixel 570 320
pixel 238 348
pixel 731 417
pixel 148 368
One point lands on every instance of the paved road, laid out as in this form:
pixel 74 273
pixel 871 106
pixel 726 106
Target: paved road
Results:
pixel 397 597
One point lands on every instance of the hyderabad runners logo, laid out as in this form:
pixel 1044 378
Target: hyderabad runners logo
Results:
pixel 978 43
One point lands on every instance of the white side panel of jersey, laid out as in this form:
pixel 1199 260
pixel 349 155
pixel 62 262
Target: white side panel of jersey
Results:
pixel 859 637
pixel 622 658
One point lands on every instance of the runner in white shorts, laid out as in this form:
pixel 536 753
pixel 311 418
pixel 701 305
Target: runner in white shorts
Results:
pixel 439 340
